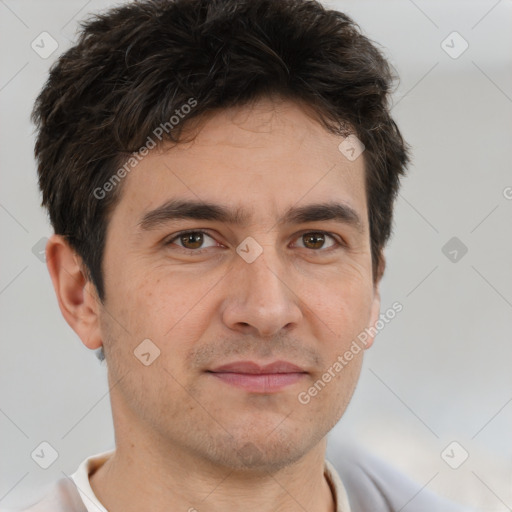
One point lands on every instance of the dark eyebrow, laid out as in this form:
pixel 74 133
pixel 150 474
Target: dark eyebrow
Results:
pixel 324 211
pixel 191 209
pixel 187 209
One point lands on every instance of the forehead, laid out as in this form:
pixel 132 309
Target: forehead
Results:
pixel 261 160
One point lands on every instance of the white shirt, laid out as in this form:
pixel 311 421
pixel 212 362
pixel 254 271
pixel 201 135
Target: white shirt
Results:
pixel 372 485
pixel 83 485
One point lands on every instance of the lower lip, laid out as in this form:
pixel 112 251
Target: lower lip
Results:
pixel 260 383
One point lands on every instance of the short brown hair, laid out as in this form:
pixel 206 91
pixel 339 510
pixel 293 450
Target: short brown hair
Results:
pixel 134 65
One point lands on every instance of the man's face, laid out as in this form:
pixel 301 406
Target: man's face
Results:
pixel 207 299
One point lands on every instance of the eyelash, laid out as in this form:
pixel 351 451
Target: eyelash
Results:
pixel 338 242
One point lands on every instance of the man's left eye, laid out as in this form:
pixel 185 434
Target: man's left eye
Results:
pixel 316 240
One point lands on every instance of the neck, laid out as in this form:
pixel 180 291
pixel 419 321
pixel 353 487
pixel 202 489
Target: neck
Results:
pixel 139 475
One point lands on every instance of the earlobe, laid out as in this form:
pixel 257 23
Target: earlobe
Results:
pixel 76 295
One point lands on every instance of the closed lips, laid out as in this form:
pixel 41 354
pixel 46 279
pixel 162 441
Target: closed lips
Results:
pixel 250 367
pixel 256 378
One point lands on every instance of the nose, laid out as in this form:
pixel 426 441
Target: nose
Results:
pixel 261 300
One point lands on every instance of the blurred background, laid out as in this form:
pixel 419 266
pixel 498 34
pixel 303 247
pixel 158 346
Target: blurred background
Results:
pixel 435 395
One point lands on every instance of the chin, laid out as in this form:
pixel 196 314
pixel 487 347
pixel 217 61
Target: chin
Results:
pixel 263 451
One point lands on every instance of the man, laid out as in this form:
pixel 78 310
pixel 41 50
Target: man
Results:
pixel 220 176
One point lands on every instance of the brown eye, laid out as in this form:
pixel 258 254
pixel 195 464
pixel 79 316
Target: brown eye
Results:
pixel 313 240
pixel 192 240
pixel 317 240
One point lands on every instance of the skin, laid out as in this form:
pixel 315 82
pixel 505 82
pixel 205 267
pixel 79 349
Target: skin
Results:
pixel 183 436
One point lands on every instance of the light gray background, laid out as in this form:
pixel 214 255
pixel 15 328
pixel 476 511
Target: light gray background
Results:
pixel 439 372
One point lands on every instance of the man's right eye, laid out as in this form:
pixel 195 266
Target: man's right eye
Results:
pixel 191 240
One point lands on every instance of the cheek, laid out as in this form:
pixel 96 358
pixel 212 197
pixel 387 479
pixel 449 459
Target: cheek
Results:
pixel 144 292
pixel 343 305
pixel 172 310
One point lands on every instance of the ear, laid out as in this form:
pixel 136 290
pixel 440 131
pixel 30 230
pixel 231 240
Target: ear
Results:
pixel 77 296
pixel 375 308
